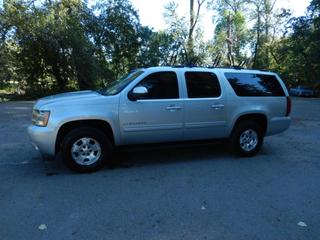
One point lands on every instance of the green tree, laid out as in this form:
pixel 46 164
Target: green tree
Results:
pixel 116 36
pixel 232 35
pixel 187 45
pixel 194 17
pixel 53 47
pixel 298 53
pixel 155 48
pixel 61 45
pixel 263 12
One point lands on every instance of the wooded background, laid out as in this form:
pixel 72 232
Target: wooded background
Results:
pixel 60 45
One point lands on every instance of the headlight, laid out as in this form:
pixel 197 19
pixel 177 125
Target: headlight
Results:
pixel 40 118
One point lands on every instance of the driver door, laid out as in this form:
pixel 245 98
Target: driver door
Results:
pixel 155 116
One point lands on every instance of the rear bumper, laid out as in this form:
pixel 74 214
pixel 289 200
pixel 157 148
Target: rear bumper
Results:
pixel 43 139
pixel 278 125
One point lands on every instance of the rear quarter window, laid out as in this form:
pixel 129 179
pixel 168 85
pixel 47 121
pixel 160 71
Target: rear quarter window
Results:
pixel 252 85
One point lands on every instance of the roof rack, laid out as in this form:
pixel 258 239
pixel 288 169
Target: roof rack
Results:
pixel 207 66
pixel 230 67
pixel 183 66
pixel 234 67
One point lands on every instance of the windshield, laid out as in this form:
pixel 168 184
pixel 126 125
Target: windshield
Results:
pixel 117 86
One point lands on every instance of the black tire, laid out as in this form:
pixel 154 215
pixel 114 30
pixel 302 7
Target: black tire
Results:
pixel 96 138
pixel 249 148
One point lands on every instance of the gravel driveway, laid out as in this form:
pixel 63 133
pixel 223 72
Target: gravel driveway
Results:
pixel 183 193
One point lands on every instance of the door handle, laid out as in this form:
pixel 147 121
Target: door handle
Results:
pixel 217 106
pixel 173 108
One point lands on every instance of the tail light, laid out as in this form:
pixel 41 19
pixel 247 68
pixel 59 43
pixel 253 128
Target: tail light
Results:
pixel 288 106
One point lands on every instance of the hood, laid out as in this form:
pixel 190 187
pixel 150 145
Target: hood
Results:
pixel 66 97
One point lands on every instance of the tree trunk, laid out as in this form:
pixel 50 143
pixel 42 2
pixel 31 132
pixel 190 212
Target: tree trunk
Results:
pixel 191 30
pixel 257 46
pixel 230 41
pixel 194 17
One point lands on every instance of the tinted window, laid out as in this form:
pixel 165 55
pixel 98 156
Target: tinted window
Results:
pixel 248 84
pixel 202 85
pixel 161 85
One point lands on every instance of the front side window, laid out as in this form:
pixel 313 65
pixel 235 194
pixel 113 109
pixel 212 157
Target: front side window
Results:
pixel 250 84
pixel 202 85
pixel 160 85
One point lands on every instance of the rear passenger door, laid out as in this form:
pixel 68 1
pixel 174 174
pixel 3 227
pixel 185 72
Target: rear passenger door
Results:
pixel 205 106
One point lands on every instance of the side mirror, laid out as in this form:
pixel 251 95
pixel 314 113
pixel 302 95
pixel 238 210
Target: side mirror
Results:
pixel 138 92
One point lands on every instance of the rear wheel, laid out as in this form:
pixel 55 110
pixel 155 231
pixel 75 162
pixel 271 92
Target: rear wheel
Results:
pixel 247 138
pixel 86 149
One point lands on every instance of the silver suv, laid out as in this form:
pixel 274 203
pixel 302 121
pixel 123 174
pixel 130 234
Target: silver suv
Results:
pixel 162 104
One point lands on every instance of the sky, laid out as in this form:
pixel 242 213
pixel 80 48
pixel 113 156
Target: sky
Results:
pixel 151 12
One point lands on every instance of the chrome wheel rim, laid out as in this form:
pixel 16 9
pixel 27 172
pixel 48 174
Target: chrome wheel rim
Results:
pixel 248 140
pixel 86 151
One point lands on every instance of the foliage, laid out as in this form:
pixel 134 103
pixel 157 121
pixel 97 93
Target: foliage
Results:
pixel 64 45
pixel 187 46
pixel 52 46
pixel 298 55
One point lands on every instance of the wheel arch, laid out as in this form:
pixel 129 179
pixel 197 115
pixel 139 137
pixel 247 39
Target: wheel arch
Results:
pixel 102 125
pixel 259 118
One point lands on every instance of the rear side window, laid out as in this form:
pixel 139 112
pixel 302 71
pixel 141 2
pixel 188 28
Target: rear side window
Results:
pixel 251 85
pixel 161 85
pixel 202 85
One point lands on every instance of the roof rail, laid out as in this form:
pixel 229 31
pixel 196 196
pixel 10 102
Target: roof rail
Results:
pixel 183 66
pixel 196 66
pixel 234 67
pixel 228 67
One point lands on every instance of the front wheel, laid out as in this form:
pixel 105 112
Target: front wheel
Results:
pixel 86 149
pixel 247 138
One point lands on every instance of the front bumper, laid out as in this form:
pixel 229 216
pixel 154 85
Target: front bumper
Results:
pixel 43 139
